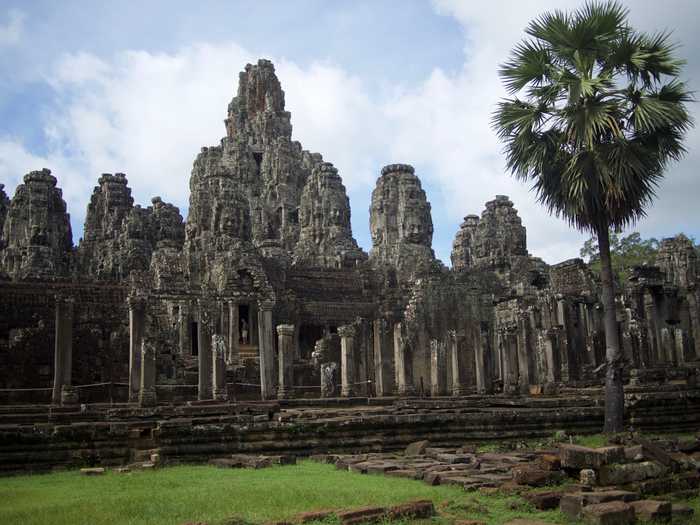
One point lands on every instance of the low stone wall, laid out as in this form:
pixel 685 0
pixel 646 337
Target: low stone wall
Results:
pixel 38 438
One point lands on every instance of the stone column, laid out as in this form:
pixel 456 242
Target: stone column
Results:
pixel 458 364
pixel 204 359
pixel 482 360
pixel 266 350
pixel 137 325
pixel 438 368
pixel 285 354
pixel 218 347
pixel 183 319
pixel 551 357
pixel 404 384
pixel 382 358
pixel 347 360
pixel 147 386
pixel 63 391
pixel 233 333
pixel 507 341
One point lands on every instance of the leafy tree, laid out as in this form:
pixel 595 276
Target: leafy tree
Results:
pixel 596 114
pixel 625 252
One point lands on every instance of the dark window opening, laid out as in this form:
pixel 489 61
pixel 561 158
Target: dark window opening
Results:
pixel 308 335
pixel 194 338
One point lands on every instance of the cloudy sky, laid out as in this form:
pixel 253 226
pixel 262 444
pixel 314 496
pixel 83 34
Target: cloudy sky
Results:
pixel 139 87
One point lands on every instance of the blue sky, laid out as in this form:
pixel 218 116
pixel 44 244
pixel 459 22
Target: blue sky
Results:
pixel 138 87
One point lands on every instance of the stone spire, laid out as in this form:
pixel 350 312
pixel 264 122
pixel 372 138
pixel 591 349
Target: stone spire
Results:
pixel 492 240
pixel 462 256
pixel 120 237
pixel 400 222
pixel 36 231
pixel 249 188
pixel 4 206
pixel 256 114
pixel 325 239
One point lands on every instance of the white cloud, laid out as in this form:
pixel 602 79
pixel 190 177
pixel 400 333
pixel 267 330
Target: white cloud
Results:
pixel 147 114
pixel 11 31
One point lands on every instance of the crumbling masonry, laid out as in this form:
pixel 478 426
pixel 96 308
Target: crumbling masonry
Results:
pixel 262 292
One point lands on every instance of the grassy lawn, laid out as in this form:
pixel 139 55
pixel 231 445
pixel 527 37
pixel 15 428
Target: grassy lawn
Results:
pixel 177 495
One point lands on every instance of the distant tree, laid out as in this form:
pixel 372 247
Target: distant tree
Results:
pixel 625 252
pixel 601 114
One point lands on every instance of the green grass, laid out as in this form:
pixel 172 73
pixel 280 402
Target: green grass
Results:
pixel 182 494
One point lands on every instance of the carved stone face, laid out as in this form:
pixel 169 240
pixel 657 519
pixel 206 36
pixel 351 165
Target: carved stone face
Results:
pixel 414 230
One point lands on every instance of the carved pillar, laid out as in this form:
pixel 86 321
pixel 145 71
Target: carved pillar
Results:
pixel 233 333
pixel 509 350
pixel 285 355
pixel 137 326
pixel 183 321
pixel 347 360
pixel 458 364
pixel 551 357
pixel 526 365
pixel 63 392
pixel 266 350
pixel 218 375
pixel 204 359
pixel 147 386
pixel 404 385
pixel 482 360
pixel 383 382
pixel 438 368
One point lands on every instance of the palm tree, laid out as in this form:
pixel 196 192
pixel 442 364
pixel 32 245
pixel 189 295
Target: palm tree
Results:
pixel 597 113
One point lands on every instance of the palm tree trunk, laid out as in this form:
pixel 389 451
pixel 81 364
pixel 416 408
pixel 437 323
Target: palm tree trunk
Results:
pixel 614 395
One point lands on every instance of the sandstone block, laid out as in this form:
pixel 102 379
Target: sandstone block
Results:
pixel 578 457
pixel 572 504
pixel 630 472
pixel 544 500
pixel 610 513
pixel 649 510
pixel 681 513
pixel 535 477
pixel 94 471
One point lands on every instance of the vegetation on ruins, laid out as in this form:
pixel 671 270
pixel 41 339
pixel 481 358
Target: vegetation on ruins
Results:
pixel 597 114
pixel 626 251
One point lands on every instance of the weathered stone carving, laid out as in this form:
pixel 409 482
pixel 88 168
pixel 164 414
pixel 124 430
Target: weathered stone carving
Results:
pixel 400 223
pixel 36 232
pixel 325 239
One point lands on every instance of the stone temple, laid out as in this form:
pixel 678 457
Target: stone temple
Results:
pixel 258 323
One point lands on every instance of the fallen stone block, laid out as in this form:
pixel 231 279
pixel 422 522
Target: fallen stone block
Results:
pixel 535 477
pixel 543 500
pixel 634 453
pixel 452 459
pixel 681 513
pixel 93 471
pixel 527 521
pixel 648 509
pixel 361 515
pixel 381 467
pixel 469 522
pixel 572 504
pixel 314 515
pixel 417 448
pixel 549 462
pixel 283 459
pixel 655 452
pixel 622 474
pixel 578 457
pixel 420 509
pixel 610 513
pixel 404 473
